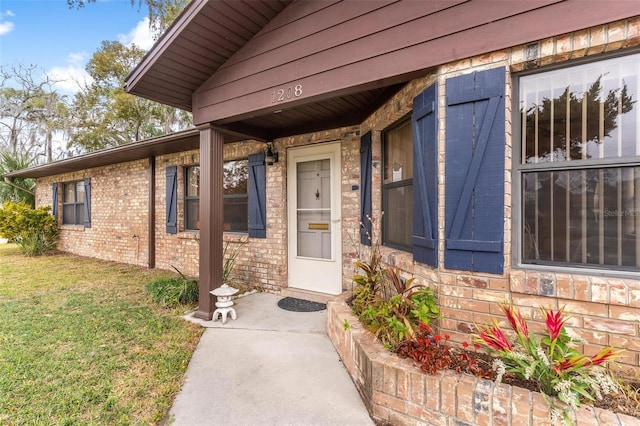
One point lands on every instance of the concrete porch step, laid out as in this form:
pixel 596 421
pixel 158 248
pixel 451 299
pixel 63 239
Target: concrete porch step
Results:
pixel 313 296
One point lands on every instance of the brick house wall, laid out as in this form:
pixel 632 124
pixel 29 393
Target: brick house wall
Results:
pixel 119 215
pixel 605 307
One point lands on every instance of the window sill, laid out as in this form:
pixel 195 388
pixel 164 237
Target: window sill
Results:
pixel 397 258
pixel 577 286
pixel 77 228
pixel 188 235
pixel 234 237
pixel 577 271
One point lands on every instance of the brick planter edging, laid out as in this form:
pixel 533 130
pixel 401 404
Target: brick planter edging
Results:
pixel 395 391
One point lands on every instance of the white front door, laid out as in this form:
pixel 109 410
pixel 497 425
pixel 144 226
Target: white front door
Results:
pixel 313 194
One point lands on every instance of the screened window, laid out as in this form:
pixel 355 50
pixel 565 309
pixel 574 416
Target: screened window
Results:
pixel 579 168
pixel 73 203
pixel 397 187
pixel 235 207
pixel 192 198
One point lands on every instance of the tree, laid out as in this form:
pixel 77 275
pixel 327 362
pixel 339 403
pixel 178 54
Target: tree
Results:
pixel 104 115
pixel 22 189
pixel 161 12
pixel 30 113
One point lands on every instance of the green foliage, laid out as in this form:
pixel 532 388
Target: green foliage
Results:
pixel 173 291
pixel 390 307
pixel 35 231
pixel 161 12
pixel 106 115
pixel 10 163
pixel 346 325
pixel 229 256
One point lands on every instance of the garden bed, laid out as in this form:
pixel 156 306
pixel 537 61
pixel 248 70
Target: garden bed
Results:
pixel 397 392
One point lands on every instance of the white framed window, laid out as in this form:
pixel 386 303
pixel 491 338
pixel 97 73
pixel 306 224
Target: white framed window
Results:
pixel 73 203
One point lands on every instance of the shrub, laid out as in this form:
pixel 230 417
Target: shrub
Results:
pixel 173 291
pixel 35 231
pixel 390 307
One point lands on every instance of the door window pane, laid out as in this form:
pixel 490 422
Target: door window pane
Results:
pixel 314 208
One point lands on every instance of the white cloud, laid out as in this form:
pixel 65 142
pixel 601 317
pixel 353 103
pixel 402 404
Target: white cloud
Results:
pixel 6 26
pixel 72 77
pixel 77 58
pixel 140 36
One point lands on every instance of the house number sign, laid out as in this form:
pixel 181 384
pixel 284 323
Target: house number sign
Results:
pixel 286 93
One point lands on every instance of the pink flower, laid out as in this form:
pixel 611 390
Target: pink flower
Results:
pixel 493 337
pixel 515 319
pixel 554 321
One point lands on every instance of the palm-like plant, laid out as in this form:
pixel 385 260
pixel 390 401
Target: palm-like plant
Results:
pixel 11 163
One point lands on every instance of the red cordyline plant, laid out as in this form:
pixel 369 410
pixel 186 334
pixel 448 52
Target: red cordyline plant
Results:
pixel 550 360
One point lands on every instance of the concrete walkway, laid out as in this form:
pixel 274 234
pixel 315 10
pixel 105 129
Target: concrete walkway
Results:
pixel 268 367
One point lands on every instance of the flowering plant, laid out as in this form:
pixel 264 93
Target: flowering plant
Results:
pixel 552 361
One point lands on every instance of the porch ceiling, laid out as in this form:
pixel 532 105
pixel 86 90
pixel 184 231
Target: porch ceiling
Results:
pixel 199 43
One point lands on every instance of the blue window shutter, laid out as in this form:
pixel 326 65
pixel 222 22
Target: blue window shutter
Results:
pixel 365 189
pixel 425 177
pixel 54 199
pixel 87 203
pixel 257 193
pixel 172 199
pixel 474 172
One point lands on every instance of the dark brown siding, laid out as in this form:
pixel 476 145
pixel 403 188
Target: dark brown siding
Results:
pixel 343 47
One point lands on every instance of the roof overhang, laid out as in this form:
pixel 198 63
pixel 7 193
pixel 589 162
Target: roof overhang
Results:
pixel 236 64
pixel 167 144
pixel 212 31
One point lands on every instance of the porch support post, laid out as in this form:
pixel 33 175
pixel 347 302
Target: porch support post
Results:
pixel 211 218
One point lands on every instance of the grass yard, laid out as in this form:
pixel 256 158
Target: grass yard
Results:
pixel 81 343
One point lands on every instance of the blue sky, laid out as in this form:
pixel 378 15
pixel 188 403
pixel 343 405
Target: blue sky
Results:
pixel 60 41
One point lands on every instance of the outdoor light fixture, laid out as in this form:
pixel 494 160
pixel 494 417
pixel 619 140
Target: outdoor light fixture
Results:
pixel 271 157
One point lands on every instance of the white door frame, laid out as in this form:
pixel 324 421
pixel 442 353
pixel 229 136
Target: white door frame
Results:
pixel 319 275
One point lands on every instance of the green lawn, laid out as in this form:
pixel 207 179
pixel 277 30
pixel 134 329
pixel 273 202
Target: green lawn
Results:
pixel 81 344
